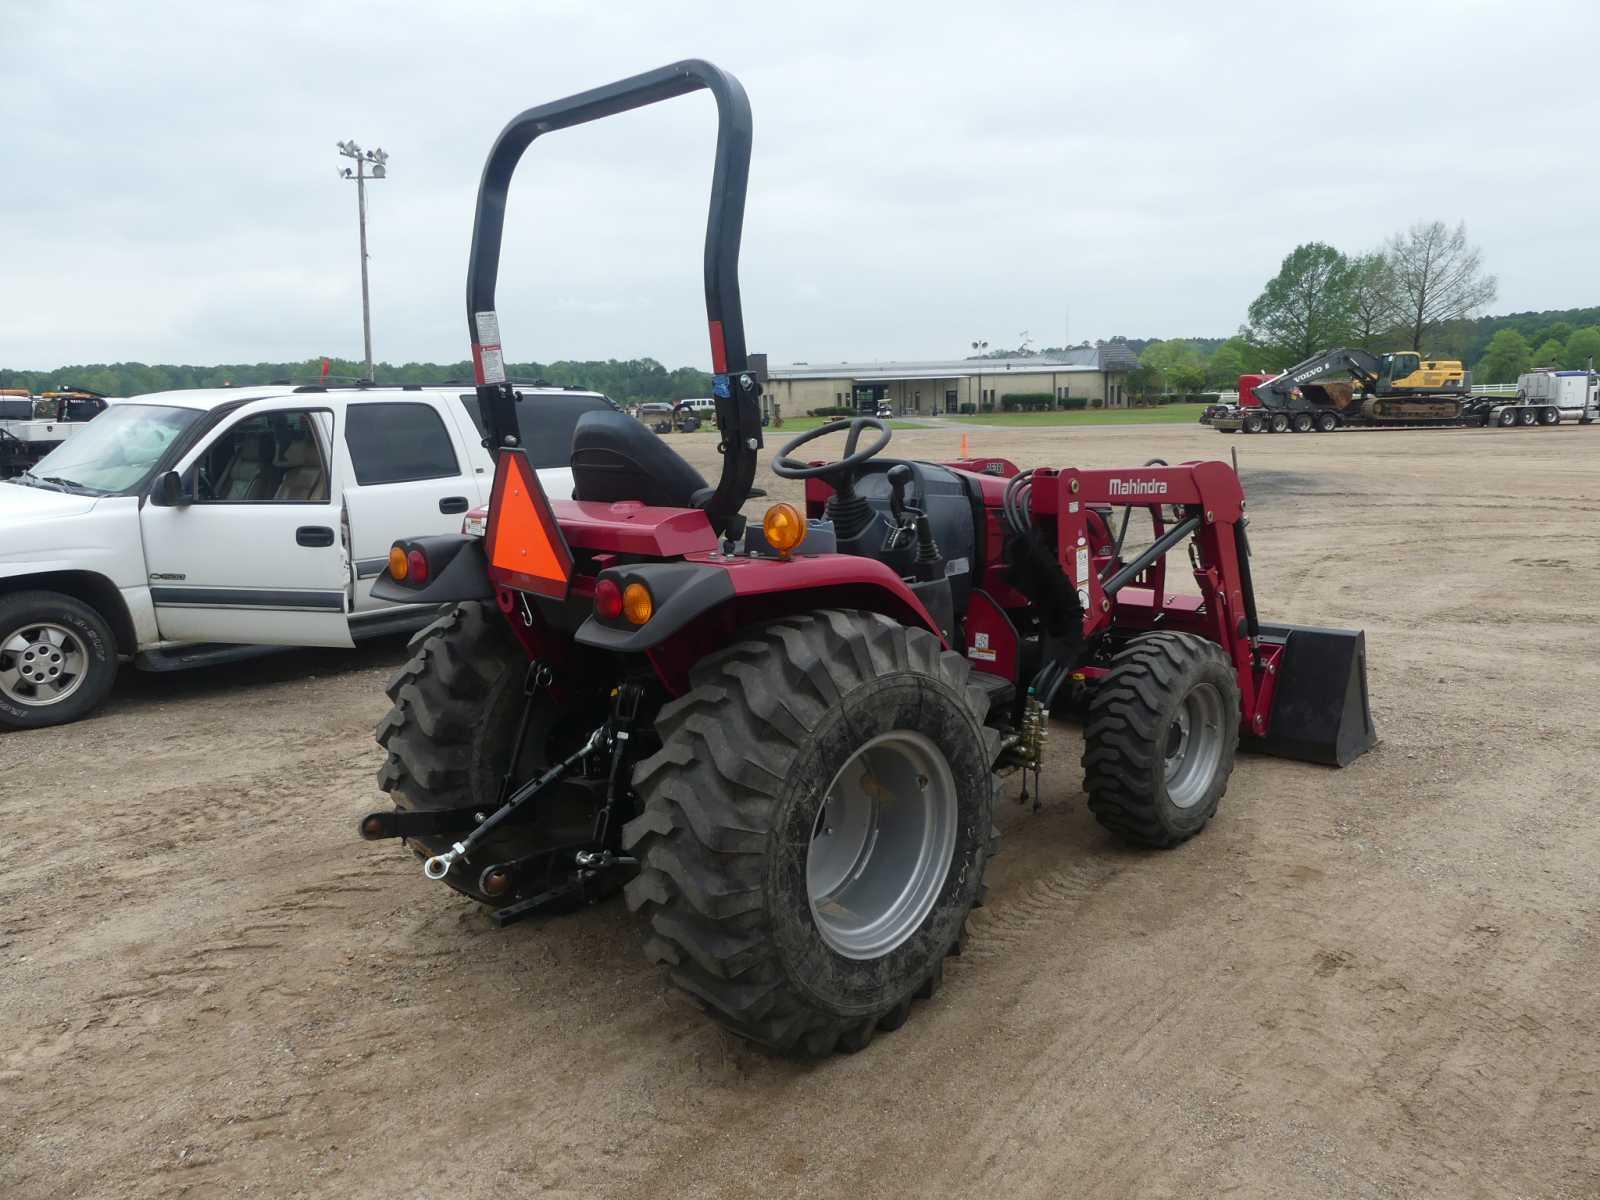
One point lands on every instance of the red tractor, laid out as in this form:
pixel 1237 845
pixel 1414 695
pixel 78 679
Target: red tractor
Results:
pixel 784 740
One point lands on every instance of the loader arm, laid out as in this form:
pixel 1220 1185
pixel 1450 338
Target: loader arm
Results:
pixel 1364 367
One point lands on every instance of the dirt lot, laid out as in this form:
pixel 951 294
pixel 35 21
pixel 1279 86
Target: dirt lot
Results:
pixel 1376 982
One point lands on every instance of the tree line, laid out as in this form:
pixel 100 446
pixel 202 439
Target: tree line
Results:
pixel 627 381
pixel 1423 290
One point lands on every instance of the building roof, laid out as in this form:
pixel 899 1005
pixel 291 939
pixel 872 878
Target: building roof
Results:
pixel 1086 358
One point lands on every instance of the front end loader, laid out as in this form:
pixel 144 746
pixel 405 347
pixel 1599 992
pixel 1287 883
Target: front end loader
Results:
pixel 783 739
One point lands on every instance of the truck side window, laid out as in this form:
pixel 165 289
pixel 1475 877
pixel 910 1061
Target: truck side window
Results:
pixel 271 458
pixel 397 443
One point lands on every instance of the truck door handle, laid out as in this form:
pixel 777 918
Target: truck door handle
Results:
pixel 314 535
pixel 453 504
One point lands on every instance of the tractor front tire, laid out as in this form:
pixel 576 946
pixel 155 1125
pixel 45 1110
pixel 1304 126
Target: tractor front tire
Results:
pixel 1160 739
pixel 814 829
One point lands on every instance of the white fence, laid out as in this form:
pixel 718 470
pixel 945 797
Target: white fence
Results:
pixel 1494 389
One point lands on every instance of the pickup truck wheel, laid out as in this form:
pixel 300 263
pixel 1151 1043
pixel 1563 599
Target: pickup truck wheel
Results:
pixel 449 734
pixel 58 659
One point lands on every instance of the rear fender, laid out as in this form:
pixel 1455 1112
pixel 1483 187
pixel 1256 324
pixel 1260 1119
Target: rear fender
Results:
pixel 701 604
pixel 457 570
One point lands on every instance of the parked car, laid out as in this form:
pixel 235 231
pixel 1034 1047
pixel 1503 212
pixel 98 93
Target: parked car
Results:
pixel 185 528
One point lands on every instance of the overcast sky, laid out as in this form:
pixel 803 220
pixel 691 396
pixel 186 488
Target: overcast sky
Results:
pixel 922 176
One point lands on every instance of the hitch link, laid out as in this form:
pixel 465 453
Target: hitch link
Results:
pixel 439 865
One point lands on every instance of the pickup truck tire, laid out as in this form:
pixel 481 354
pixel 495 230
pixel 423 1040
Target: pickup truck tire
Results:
pixel 58 659
pixel 456 705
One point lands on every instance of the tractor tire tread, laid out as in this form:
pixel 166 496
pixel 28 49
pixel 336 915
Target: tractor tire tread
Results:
pixel 708 796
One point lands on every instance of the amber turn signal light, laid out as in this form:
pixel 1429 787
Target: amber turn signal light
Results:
pixel 785 528
pixel 397 561
pixel 638 605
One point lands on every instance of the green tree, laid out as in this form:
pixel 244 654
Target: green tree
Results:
pixel 1308 305
pixel 1439 277
pixel 1178 365
pixel 1583 347
pixel 1226 365
pixel 1505 359
pixel 1549 354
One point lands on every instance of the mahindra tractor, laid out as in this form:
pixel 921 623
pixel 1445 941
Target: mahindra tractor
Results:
pixel 782 738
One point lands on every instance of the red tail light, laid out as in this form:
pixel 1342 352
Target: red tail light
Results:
pixel 607 599
pixel 417 564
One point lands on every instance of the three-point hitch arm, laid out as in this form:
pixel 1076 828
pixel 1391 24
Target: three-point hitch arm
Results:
pixel 737 391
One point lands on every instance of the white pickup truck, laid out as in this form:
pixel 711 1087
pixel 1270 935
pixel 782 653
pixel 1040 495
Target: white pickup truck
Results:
pixel 185 528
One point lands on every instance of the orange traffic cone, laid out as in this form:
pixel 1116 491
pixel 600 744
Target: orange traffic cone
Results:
pixel 966 451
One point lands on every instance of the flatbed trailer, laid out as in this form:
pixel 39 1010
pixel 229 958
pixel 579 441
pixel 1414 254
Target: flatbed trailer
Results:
pixel 1543 398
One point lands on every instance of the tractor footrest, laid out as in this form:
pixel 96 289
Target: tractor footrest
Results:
pixel 1001 690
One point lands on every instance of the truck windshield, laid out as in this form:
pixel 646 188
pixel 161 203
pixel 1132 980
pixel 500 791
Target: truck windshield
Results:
pixel 117 451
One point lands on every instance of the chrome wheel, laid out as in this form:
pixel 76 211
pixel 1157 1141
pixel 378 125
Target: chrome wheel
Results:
pixel 882 844
pixel 1194 746
pixel 41 664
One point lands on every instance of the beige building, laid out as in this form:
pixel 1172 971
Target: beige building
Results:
pixel 1093 373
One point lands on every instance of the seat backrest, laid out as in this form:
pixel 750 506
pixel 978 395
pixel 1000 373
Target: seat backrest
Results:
pixel 615 457
pixel 246 477
pixel 302 476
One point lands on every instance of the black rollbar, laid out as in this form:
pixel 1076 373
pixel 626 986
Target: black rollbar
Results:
pixel 736 390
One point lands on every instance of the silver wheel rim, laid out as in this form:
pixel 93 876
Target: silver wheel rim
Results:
pixel 881 845
pixel 1194 746
pixel 41 664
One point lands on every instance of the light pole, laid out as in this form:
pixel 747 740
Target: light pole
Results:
pixel 377 159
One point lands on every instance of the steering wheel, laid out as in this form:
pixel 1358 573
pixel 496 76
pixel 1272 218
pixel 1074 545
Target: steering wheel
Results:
pixel 787 467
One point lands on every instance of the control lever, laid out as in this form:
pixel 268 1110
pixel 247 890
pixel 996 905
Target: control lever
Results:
pixel 900 525
pixel 909 522
pixel 899 480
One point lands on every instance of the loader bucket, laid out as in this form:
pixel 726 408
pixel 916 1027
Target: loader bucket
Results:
pixel 1320 712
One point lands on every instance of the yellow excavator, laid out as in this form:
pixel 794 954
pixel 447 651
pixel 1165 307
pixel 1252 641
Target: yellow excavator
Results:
pixel 1400 388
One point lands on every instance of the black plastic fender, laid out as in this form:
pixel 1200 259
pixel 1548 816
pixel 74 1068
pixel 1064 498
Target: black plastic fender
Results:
pixel 682 591
pixel 457 570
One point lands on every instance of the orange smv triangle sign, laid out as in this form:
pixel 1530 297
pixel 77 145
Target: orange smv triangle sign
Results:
pixel 524 544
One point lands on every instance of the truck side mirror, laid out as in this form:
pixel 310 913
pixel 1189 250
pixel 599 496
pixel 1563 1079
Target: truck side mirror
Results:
pixel 167 491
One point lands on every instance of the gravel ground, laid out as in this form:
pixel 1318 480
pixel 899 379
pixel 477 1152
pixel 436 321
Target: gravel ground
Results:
pixel 1375 982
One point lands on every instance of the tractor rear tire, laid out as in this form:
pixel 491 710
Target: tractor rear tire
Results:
pixel 456 705
pixel 1160 739
pixel 788 932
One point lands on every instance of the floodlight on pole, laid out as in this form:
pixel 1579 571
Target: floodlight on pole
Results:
pixel 377 159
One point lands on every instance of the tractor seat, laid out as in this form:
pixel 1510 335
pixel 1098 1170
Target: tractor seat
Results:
pixel 614 457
